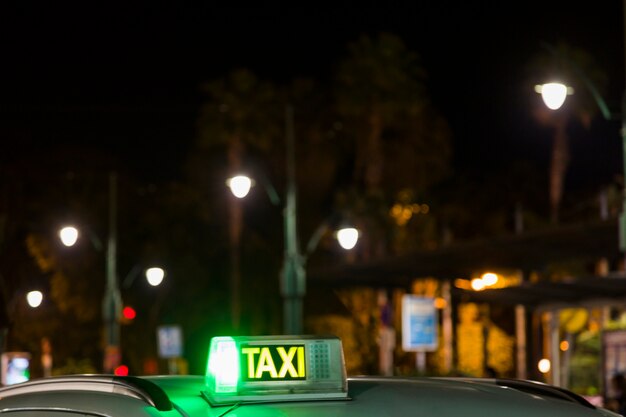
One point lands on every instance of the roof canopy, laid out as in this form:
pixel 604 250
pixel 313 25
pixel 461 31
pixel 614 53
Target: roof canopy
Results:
pixel 527 252
pixel 590 291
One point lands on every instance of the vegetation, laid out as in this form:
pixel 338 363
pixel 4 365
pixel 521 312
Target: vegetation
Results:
pixel 370 148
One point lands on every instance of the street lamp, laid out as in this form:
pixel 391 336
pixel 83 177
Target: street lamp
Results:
pixel 239 185
pixel 348 237
pixel 154 276
pixel 112 300
pixel 68 235
pixel 34 298
pixel 549 92
pixel 293 274
pixel 554 95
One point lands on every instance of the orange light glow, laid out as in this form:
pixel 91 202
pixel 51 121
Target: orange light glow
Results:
pixel 464 284
pixel 440 303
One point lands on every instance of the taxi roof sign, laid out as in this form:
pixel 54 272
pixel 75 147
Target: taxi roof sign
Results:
pixel 275 368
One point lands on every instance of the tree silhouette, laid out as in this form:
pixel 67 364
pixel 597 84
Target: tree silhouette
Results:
pixel 577 69
pixel 241 114
pixel 400 142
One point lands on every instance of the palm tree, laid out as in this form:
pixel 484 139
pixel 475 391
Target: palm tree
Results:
pixel 399 140
pixel 577 69
pixel 241 113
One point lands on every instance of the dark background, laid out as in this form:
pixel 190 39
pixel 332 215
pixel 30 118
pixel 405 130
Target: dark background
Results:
pixel 124 78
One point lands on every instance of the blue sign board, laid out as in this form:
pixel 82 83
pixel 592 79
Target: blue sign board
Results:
pixel 419 324
pixel 170 340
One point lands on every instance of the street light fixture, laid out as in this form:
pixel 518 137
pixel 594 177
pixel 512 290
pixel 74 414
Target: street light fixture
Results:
pixel 554 95
pixel 68 235
pixel 240 185
pixel 34 298
pixel 293 275
pixel 112 300
pixel 348 237
pixel 545 364
pixel 155 275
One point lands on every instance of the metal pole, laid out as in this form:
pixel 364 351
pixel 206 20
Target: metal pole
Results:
pixel 622 219
pixel 520 341
pixel 235 228
pixel 555 354
pixel 447 330
pixel 112 302
pixel 293 274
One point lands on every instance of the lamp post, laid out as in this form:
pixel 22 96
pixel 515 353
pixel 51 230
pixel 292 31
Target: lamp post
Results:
pixel 293 276
pixel 112 300
pixel 293 273
pixel 554 95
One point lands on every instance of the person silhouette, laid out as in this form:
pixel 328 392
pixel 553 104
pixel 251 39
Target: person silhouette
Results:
pixel 617 401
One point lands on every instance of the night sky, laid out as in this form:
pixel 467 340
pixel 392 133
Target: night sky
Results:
pixel 124 77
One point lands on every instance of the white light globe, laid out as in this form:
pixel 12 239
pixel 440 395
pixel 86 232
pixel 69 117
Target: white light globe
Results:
pixel 477 284
pixel 239 185
pixel 155 276
pixel 544 366
pixel 489 279
pixel 553 94
pixel 34 298
pixel 68 235
pixel 348 237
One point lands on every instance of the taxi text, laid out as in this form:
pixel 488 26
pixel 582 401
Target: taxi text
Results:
pixel 273 362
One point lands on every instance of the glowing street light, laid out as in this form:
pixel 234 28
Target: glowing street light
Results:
pixel 348 237
pixel 544 365
pixel 239 185
pixel 293 275
pixel 34 298
pixel 489 278
pixel 68 235
pixel 155 275
pixel 554 94
pixel 111 301
pixel 478 284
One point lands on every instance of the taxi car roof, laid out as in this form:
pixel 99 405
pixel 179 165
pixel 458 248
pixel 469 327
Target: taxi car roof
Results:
pixel 367 396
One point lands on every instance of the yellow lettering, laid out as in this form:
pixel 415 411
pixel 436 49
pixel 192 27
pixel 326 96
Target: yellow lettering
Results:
pixel 250 352
pixel 287 358
pixel 301 370
pixel 266 364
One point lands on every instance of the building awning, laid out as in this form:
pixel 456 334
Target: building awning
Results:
pixel 526 252
pixel 532 251
pixel 591 291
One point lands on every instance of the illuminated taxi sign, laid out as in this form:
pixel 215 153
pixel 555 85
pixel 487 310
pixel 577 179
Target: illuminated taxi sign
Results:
pixel 272 362
pixel 275 368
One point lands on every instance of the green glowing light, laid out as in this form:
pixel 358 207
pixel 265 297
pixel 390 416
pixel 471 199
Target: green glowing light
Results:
pixel 223 365
pixel 270 368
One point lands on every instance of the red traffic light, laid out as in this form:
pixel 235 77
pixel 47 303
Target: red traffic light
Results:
pixel 129 313
pixel 121 370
